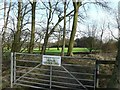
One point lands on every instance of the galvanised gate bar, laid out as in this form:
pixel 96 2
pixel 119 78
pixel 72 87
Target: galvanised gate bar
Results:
pixel 75 73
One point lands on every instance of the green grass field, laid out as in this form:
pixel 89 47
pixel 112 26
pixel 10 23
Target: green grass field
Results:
pixel 55 51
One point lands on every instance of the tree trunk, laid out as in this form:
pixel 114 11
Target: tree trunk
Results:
pixel 39 45
pixel 59 38
pixel 31 46
pixel 44 44
pixel 5 22
pixel 6 18
pixel 58 45
pixel 16 42
pixel 51 31
pixel 115 79
pixel 64 31
pixel 47 35
pixel 74 27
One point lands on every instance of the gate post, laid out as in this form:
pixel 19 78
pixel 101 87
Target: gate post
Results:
pixel 50 77
pixel 14 62
pixel 12 69
pixel 96 74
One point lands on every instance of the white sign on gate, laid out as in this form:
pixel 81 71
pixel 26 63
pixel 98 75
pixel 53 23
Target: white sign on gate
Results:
pixel 51 60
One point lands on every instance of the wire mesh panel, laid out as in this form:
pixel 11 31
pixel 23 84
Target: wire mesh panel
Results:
pixel 74 73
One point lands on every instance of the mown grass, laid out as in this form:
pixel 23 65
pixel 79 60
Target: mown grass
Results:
pixel 56 51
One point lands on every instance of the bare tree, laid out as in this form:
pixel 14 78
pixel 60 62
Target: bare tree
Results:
pixel 76 5
pixel 48 23
pixel 64 30
pixel 16 41
pixel 31 45
pixel 6 17
pixel 50 17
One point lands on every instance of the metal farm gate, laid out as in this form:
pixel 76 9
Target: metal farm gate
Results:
pixel 74 73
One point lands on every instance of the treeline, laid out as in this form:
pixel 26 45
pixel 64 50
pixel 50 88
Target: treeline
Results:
pixel 34 22
pixel 89 42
